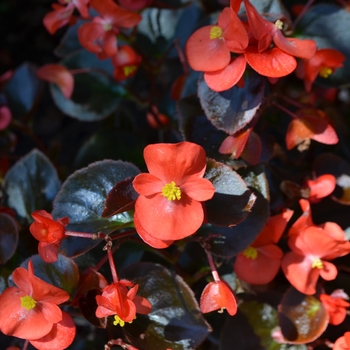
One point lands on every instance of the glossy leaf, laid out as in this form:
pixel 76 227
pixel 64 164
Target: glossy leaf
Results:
pixel 227 242
pixel 121 198
pixel 8 237
pixel 231 193
pixel 23 90
pixel 88 306
pixel 175 321
pixel 302 318
pixel 95 95
pixel 63 273
pixel 233 109
pixel 329 26
pixel 31 184
pixel 82 199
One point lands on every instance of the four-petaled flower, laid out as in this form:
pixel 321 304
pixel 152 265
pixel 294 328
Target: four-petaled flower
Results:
pixel 119 299
pixel 29 311
pixel 218 295
pixel 49 233
pixel 169 206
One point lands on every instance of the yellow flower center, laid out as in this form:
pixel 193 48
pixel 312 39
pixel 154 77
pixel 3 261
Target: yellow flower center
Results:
pixel 107 27
pixel 317 263
pixel 118 320
pixel 171 191
pixel 215 32
pixel 28 302
pixel 250 253
pixel 128 70
pixel 279 24
pixel 325 72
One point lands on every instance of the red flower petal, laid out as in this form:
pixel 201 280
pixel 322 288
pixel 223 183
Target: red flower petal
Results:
pixel 305 49
pixel 147 184
pixel 58 18
pixel 271 63
pixel 60 337
pixel 58 74
pixel 179 218
pixel 329 271
pixel 218 295
pixel 147 238
pixel 205 54
pixel 227 77
pixel 143 306
pixel 198 189
pixel 175 162
pixel 299 272
pixel 48 252
pixel 323 186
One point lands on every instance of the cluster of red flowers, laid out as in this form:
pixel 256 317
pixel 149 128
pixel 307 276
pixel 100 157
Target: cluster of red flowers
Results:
pixel 97 35
pixel 222 51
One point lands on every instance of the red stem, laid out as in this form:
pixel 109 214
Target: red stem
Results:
pixel 111 263
pixel 212 266
pixel 285 110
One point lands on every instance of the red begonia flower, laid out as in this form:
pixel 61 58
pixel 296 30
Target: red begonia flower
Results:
pixel 266 33
pixel 310 124
pixel 49 233
pixel 218 295
pixel 126 62
pixel 5 117
pixel 169 206
pixel 59 17
pixel 319 188
pixel 307 261
pixel 60 337
pixel 322 64
pixel 59 75
pixel 260 262
pixel 30 310
pixel 342 343
pixel 99 36
pixel 120 299
pixel 336 306
pixel 209 48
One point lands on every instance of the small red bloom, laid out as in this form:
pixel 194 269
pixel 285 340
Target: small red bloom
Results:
pixel 322 64
pixel 29 311
pixel 218 295
pixel 59 75
pixel 259 263
pixel 169 206
pixel 310 124
pixel 342 343
pixel 49 233
pixel 319 188
pixel 80 5
pixel 126 62
pixel 99 36
pixel 336 306
pixel 120 299
pixel 311 248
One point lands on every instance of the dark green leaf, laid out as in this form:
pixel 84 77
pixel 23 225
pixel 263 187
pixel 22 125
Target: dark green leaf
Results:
pixel 231 193
pixel 96 94
pixel 70 42
pixel 329 26
pixel 23 89
pixel 63 273
pixel 229 241
pixel 31 184
pixel 82 199
pixel 233 109
pixel 175 321
pixel 8 237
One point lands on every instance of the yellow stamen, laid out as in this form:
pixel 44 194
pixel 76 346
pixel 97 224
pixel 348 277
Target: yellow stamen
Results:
pixel 250 253
pixel 325 72
pixel 128 70
pixel 279 24
pixel 118 320
pixel 216 32
pixel 107 27
pixel 28 302
pixel 317 263
pixel 171 191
